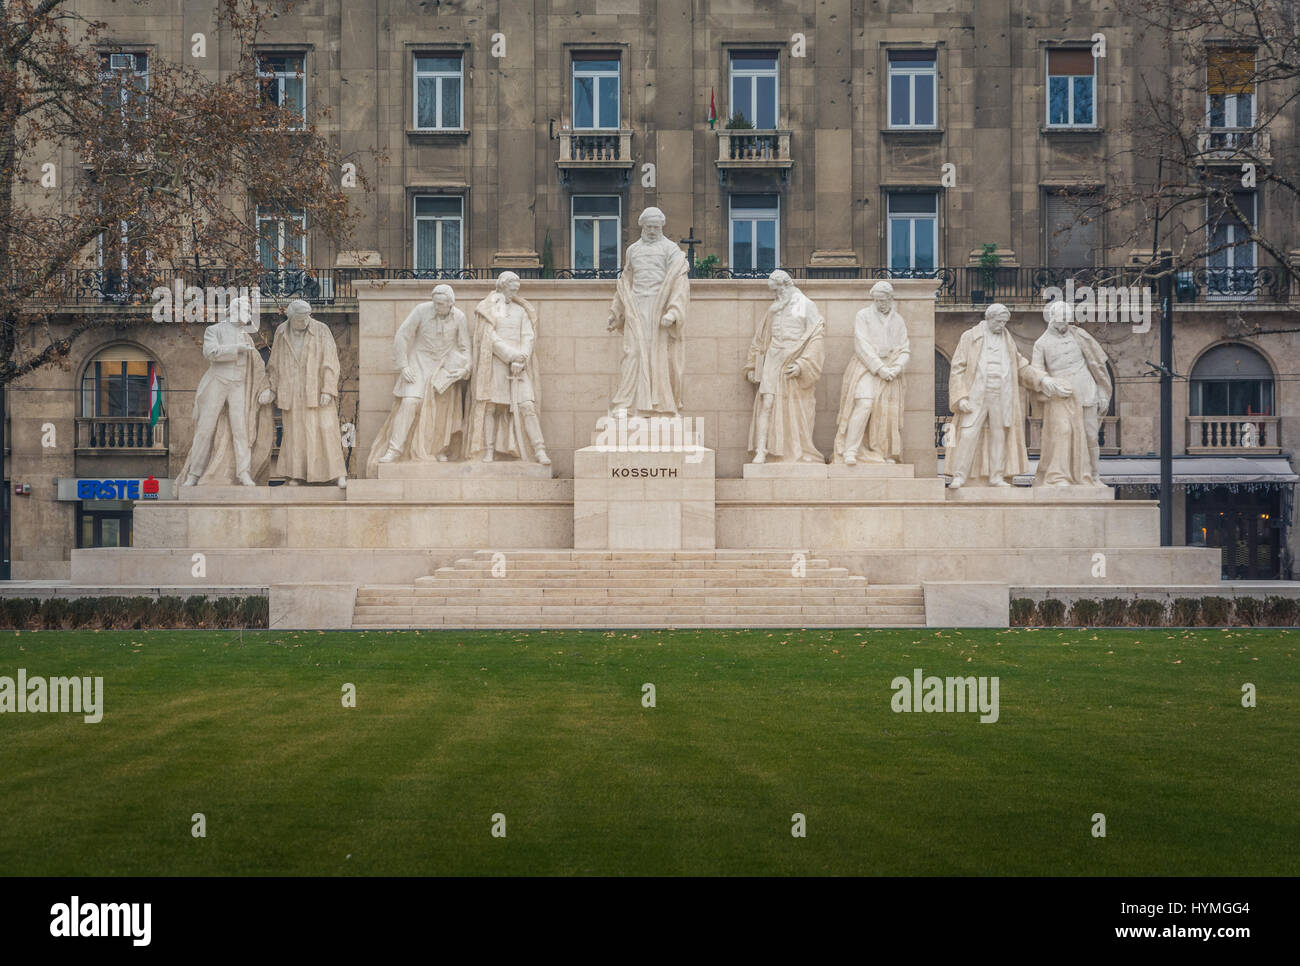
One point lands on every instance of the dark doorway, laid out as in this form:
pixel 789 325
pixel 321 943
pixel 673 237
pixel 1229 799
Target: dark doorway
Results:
pixel 1246 527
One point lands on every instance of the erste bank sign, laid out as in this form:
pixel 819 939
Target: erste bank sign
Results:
pixel 105 488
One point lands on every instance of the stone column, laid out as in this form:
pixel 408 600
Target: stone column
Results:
pixel 832 55
pixel 676 105
pixel 987 182
pixel 516 133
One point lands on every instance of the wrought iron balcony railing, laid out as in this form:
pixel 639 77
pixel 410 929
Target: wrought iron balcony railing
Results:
pixel 966 286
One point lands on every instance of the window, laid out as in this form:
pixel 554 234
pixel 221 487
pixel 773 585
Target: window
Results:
pixel 912 88
pixel 595 91
pixel 1071 84
pixel 597 231
pixel 104 523
pixel 913 231
pixel 121 266
pixel 283 78
pixel 439 80
pixel 1230 95
pixel 755 233
pixel 125 83
pixel 1232 380
pixel 754 88
pixel 1230 254
pixel 282 239
pixel 1071 229
pixel 115 384
pixel 439 233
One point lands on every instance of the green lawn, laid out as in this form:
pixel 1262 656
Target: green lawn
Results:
pixel 750 727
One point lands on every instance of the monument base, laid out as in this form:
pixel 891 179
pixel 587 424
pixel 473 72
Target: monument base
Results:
pixel 641 500
pixel 499 469
pixel 974 493
pixel 827 471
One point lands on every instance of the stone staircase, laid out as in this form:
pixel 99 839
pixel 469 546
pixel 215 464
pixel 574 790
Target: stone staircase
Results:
pixel 600 589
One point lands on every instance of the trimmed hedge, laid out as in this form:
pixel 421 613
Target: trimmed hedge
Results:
pixel 1273 611
pixel 132 613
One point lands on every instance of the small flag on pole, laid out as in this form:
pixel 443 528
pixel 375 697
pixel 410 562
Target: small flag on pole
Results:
pixel 713 111
pixel 155 396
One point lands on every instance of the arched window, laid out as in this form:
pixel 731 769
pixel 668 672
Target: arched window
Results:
pixel 116 384
pixel 1232 380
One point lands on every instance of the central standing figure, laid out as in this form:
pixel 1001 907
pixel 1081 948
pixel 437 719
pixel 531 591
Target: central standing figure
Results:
pixel 503 413
pixel 785 362
pixel 649 307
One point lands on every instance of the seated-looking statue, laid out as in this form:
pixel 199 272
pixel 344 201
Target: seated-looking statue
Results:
pixel 432 352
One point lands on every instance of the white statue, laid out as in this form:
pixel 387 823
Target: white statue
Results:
pixel 870 422
pixel 432 352
pixel 1070 451
pixel 504 385
pixel 984 389
pixel 785 362
pixel 304 374
pixel 649 307
pixel 233 430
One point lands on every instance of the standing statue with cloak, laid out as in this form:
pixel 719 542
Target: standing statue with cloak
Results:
pixel 649 308
pixel 1071 450
pixel 504 387
pixel 870 424
pixel 232 429
pixel 304 375
pixel 785 362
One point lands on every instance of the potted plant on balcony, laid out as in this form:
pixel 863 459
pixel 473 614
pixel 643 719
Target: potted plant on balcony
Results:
pixel 989 262
pixel 738 122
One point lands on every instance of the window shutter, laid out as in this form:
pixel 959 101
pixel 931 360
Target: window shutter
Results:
pixel 1231 71
pixel 1069 244
pixel 1070 63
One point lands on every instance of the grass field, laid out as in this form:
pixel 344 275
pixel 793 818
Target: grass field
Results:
pixel 750 727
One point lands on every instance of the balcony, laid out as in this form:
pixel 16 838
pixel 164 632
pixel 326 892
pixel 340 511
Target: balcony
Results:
pixel 761 152
pixel 117 435
pixel 1107 435
pixel 1238 435
pixel 588 152
pixel 1233 145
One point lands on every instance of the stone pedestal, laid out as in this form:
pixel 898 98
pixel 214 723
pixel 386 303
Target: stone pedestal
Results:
pixel 641 500
pixel 1030 494
pixel 827 471
pixel 467 470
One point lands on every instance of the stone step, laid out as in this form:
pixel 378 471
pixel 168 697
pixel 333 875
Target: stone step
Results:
pixel 566 568
pixel 685 623
pixel 409 599
pixel 645 580
pixel 501 610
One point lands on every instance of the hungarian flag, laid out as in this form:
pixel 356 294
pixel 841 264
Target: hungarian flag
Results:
pixel 155 396
pixel 713 111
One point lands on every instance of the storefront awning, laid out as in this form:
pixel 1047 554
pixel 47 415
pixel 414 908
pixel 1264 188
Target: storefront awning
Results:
pixel 1145 470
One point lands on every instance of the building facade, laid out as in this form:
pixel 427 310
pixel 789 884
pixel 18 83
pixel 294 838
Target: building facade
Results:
pixel 841 138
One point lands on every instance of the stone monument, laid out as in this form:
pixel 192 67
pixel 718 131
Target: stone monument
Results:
pixel 233 429
pixel 1071 453
pixel 303 372
pixel 870 423
pixel 785 362
pixel 989 416
pixel 504 386
pixel 432 352
pixel 649 308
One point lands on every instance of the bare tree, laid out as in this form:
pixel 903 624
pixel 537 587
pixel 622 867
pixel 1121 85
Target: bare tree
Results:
pixel 141 169
pixel 1202 125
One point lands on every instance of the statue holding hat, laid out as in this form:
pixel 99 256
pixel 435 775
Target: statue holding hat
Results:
pixel 649 309
pixel 870 423
pixel 303 371
pixel 232 429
